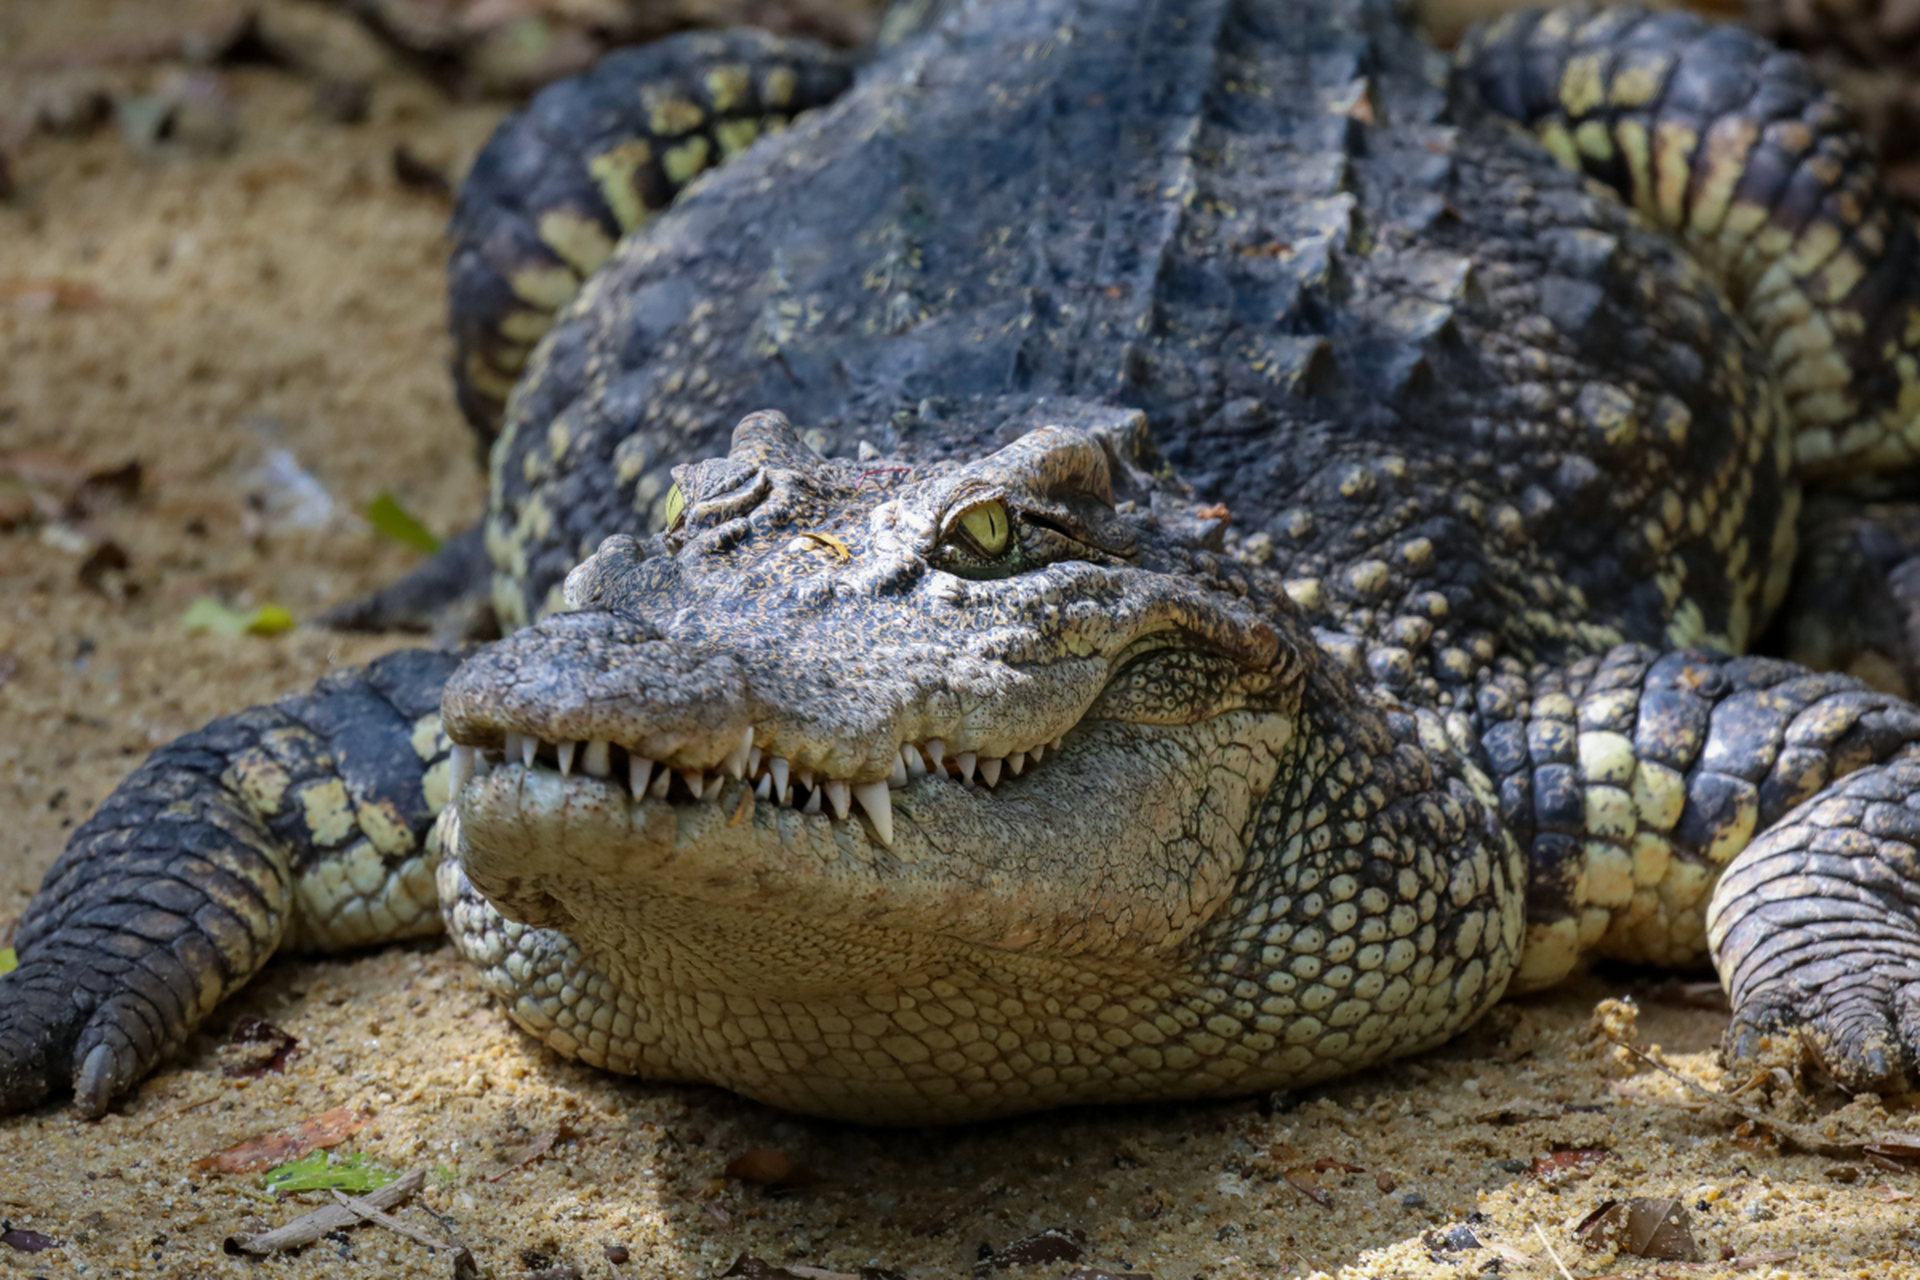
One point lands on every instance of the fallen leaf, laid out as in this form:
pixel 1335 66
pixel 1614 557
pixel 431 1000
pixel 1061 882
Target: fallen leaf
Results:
pixel 1055 1244
pixel 748 1267
pixel 328 1129
pixel 9 960
pixel 1750 1261
pixel 41 294
pixel 767 1167
pixel 208 615
pixel 1566 1163
pixel 1647 1227
pixel 256 1047
pixel 393 521
pixel 25 1241
pixel 323 1171
pixel 1891 1194
pixel 1903 1147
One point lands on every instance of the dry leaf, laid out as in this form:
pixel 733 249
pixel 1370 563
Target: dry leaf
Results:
pixel 767 1167
pixel 1055 1244
pixel 315 1133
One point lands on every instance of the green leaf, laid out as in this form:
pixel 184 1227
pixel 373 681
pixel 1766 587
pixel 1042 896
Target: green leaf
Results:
pixel 391 520
pixel 8 960
pixel 321 1170
pixel 209 615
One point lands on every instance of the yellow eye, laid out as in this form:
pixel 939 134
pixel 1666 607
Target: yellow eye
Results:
pixel 676 506
pixel 987 526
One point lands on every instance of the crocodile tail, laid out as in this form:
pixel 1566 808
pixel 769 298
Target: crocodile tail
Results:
pixel 590 159
pixel 1734 146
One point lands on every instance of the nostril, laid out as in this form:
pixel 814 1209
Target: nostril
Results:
pixel 589 581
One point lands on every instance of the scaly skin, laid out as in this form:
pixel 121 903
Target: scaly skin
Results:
pixel 933 748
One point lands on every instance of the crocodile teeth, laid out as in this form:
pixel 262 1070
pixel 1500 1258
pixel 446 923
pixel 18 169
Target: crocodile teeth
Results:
pixel 813 802
pixel 661 781
pixel 836 797
pixel 990 772
pixel 778 772
pixel 639 771
pixel 916 765
pixel 963 765
pixel 598 760
pixel 1016 762
pixel 763 789
pixel 1033 754
pixel 717 781
pixel 527 747
pixel 736 762
pixel 874 799
pixel 899 776
pixel 935 750
pixel 565 751
pixel 459 768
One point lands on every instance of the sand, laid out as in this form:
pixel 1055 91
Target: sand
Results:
pixel 217 307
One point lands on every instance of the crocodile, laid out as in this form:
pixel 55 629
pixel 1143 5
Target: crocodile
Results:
pixel 1121 550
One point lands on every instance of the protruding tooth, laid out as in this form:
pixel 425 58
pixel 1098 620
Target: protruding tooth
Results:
pixel 736 761
pixel 836 790
pixel 598 760
pixel 696 780
pixel 916 764
pixel 481 765
pixel 661 782
pixel 813 801
pixel 990 772
pixel 527 747
pixel 565 751
pixel 899 775
pixel 1034 755
pixel 639 770
pixel 1016 762
pixel 803 777
pixel 935 750
pixel 764 788
pixel 1055 744
pixel 777 770
pixel 879 806
pixel 715 781
pixel 753 762
pixel 459 768
pixel 963 765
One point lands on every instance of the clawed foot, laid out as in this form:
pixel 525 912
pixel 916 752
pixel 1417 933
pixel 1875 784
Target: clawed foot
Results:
pixel 56 1030
pixel 1816 929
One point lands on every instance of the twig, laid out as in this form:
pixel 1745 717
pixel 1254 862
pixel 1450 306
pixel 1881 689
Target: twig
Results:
pixel 1801 1136
pixel 1550 1253
pixel 308 1227
pixel 373 1214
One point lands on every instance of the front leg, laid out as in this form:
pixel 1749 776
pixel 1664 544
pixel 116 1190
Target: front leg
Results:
pixel 298 824
pixel 1634 778
pixel 1816 932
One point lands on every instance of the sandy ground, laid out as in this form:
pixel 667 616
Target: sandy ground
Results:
pixel 215 308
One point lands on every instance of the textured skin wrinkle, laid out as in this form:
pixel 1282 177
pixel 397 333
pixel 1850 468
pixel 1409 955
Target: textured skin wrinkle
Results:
pixel 1202 557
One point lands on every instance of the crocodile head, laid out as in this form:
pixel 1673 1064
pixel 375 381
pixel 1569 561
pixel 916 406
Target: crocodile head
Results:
pixel 843 723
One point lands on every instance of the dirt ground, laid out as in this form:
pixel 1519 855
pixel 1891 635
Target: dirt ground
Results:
pixel 223 317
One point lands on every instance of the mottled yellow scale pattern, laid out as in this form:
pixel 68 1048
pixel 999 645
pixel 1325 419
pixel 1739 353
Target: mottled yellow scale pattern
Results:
pixel 1788 209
